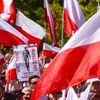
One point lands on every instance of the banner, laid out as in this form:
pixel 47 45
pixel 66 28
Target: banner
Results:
pixel 27 61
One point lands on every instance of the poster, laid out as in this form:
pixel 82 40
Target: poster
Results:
pixel 27 61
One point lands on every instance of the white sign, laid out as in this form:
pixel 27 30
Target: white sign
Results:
pixel 27 61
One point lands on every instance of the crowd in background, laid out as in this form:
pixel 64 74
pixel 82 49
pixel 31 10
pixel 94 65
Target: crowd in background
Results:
pixel 22 90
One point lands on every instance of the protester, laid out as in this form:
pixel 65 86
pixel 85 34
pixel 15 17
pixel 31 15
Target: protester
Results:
pixel 55 95
pixel 33 81
pixel 27 91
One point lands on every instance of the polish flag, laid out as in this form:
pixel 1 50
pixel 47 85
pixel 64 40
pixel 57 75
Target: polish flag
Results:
pixel 7 10
pixel 11 70
pixel 72 16
pixel 33 31
pixel 50 51
pixel 51 22
pixel 77 61
pixel 9 36
pixel 2 60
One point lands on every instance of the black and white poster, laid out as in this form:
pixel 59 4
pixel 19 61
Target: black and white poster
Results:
pixel 27 61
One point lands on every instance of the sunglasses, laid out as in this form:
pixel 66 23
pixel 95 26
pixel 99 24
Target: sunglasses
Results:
pixel 34 83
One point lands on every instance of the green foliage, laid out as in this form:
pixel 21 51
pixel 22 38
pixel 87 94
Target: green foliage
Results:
pixel 89 7
pixel 34 10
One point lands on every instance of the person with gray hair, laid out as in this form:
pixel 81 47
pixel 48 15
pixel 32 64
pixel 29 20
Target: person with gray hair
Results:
pixel 27 91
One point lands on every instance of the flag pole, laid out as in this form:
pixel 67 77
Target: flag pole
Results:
pixel 62 39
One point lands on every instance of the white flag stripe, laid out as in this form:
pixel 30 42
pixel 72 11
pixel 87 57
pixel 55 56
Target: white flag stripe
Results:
pixel 30 26
pixel 7 4
pixel 12 63
pixel 5 26
pixel 75 12
pixel 80 14
pixel 46 5
pixel 50 48
pixel 86 37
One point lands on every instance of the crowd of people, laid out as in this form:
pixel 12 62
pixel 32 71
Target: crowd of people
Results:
pixel 22 90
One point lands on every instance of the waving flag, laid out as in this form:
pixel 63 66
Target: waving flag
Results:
pixel 33 31
pixel 7 10
pixel 11 69
pixel 50 51
pixel 51 22
pixel 77 61
pixel 73 16
pixel 9 36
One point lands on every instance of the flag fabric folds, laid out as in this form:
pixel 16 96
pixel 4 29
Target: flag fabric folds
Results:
pixel 33 31
pixel 50 51
pixel 51 22
pixel 73 17
pixel 9 35
pixel 11 70
pixel 77 61
pixel 7 10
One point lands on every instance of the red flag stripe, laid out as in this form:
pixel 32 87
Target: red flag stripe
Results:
pixel 9 35
pixel 33 31
pixel 49 53
pixel 2 6
pixel 51 22
pixel 11 75
pixel 29 36
pixel 12 17
pixel 7 10
pixel 69 26
pixel 78 60
pixel 11 40
pixel 11 69
pixel 73 16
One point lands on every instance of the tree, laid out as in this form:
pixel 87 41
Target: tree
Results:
pixel 34 10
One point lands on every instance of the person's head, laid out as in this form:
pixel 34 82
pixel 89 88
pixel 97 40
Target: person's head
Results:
pixel 96 87
pixel 19 95
pixel 33 81
pixel 57 95
pixel 27 91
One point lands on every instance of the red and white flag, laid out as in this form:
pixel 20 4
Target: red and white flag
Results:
pixel 51 22
pixel 50 51
pixel 77 61
pixel 73 16
pixel 7 10
pixel 11 70
pixel 2 60
pixel 9 36
pixel 33 31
